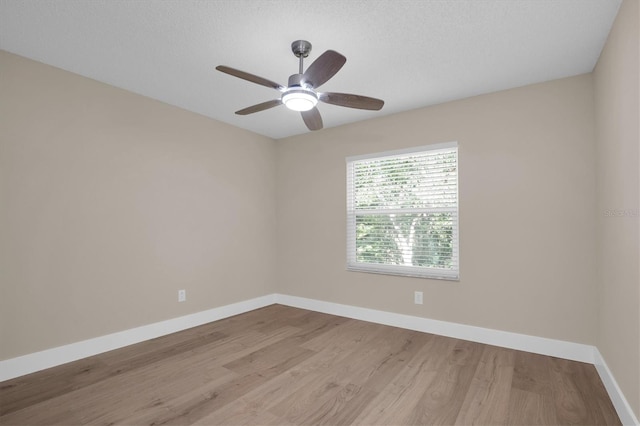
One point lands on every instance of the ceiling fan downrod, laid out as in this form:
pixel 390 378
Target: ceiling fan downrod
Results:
pixel 301 49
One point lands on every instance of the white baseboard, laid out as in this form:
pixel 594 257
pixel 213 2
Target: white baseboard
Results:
pixel 539 345
pixel 37 361
pixel 627 417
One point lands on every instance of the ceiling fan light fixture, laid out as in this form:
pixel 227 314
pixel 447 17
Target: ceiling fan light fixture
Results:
pixel 300 99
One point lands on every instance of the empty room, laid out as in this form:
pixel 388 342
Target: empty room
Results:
pixel 297 212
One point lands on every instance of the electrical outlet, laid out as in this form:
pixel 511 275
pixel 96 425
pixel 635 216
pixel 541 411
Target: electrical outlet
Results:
pixel 182 295
pixel 417 297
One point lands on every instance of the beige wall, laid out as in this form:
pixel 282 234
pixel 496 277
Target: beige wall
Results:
pixel 110 202
pixel 617 94
pixel 527 205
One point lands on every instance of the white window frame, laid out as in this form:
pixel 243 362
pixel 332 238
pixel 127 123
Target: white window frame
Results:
pixel 402 270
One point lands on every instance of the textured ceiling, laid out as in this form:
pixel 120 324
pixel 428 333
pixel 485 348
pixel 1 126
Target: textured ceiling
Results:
pixel 409 53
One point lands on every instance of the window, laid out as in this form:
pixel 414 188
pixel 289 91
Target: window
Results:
pixel 402 212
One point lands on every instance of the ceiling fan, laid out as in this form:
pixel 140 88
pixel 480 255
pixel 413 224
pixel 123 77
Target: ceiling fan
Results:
pixel 301 94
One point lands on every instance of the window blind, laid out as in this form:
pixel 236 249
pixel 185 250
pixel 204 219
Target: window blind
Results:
pixel 402 212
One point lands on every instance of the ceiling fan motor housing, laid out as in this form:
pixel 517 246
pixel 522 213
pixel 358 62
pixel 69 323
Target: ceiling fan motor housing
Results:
pixel 296 80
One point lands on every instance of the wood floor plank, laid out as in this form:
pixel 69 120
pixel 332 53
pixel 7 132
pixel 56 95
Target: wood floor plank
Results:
pixel 532 373
pixel 212 398
pixel 442 400
pixel 571 408
pixel 358 366
pixel 145 398
pixel 240 412
pixel 195 404
pixel 291 317
pixel 37 387
pixel 600 407
pixel 287 366
pixel 577 399
pixel 530 408
pixel 296 390
pixel 349 336
pixel 242 344
pixel 487 401
pixel 41 415
pixel 150 387
pixel 405 391
pixel 315 324
pixel 309 396
pixel 395 350
pixel 267 358
pixel 341 409
pixel 308 383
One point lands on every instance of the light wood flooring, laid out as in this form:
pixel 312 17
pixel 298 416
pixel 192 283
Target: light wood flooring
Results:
pixel 285 366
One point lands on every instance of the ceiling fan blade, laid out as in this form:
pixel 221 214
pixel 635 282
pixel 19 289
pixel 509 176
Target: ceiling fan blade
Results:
pixel 323 68
pixel 351 101
pixel 259 107
pixel 250 77
pixel 312 119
